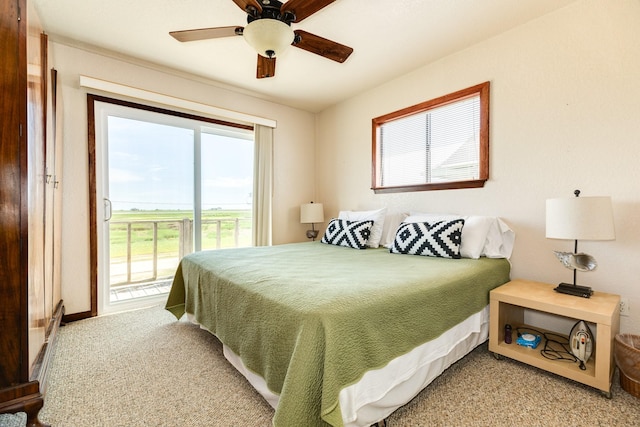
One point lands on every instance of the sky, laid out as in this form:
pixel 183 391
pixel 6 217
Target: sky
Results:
pixel 151 166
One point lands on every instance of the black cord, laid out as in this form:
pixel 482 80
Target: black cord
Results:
pixel 556 347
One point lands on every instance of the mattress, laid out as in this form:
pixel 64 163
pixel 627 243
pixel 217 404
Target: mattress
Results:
pixel 381 391
pixel 313 319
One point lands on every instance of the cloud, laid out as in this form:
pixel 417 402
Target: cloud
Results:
pixel 120 175
pixel 228 182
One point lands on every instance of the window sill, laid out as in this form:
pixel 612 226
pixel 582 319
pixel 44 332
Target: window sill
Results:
pixel 478 183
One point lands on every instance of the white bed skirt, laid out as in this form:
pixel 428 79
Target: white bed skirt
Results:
pixel 382 391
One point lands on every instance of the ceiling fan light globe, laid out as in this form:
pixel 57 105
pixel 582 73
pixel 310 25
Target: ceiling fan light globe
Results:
pixel 269 37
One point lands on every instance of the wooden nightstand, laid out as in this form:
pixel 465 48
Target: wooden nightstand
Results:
pixel 508 304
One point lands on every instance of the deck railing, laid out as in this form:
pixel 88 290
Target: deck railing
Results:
pixel 149 257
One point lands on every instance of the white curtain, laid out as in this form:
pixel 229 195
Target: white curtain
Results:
pixel 262 185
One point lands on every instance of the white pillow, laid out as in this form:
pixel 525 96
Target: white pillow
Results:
pixel 481 235
pixel 391 224
pixel 378 222
pixel 500 240
pixel 475 236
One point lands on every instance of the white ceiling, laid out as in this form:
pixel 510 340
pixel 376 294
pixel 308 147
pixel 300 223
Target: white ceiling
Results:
pixel 389 38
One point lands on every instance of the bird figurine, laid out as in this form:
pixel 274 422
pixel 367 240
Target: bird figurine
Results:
pixel 581 261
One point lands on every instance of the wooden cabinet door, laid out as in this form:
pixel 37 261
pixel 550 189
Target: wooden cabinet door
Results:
pixel 53 224
pixel 40 309
pixel 28 322
pixel 13 267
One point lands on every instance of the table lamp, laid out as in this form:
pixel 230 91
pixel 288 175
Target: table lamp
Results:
pixel 579 218
pixel 311 213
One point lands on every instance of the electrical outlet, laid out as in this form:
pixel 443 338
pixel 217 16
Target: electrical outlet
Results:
pixel 624 306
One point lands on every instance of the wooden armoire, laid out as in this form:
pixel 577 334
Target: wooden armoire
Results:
pixel 30 301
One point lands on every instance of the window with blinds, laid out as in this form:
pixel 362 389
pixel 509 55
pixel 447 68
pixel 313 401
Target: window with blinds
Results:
pixel 438 144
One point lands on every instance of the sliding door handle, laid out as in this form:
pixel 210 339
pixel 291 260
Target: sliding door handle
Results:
pixel 107 209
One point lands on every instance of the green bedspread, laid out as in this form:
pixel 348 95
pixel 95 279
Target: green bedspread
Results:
pixel 312 318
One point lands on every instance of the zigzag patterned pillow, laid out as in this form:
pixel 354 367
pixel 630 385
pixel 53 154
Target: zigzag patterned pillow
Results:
pixel 352 234
pixel 440 239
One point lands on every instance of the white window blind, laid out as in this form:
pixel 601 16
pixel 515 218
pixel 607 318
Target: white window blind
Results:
pixel 441 144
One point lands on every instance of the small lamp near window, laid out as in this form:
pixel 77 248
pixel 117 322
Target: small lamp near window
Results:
pixel 579 218
pixel 311 213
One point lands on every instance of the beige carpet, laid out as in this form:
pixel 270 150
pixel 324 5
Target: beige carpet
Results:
pixel 143 368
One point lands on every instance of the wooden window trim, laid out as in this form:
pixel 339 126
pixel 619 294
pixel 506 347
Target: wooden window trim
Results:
pixel 482 90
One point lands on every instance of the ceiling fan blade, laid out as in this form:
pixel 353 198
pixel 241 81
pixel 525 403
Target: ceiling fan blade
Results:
pixel 266 67
pixel 321 46
pixel 247 4
pixel 304 8
pixel 206 33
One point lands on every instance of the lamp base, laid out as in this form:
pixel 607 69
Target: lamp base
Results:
pixel 312 234
pixel 575 290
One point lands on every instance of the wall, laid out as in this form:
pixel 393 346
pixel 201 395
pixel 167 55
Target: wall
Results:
pixel 293 179
pixel 565 97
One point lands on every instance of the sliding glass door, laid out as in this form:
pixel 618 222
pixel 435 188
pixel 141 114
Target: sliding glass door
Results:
pixel 227 189
pixel 169 186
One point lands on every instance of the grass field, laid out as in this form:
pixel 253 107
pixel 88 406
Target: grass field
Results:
pixel 220 229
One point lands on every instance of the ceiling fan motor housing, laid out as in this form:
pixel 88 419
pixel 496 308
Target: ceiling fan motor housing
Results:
pixel 271 9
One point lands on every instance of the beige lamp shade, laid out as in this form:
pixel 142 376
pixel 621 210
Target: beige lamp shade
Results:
pixel 580 218
pixel 269 37
pixel 311 213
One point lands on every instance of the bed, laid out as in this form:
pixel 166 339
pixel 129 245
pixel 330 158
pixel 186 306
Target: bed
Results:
pixel 330 335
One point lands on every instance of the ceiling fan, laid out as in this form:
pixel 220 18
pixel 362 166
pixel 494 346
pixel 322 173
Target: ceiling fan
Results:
pixel 269 32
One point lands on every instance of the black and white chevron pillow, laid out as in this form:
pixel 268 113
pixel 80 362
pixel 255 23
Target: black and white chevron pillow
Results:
pixel 440 239
pixel 353 234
